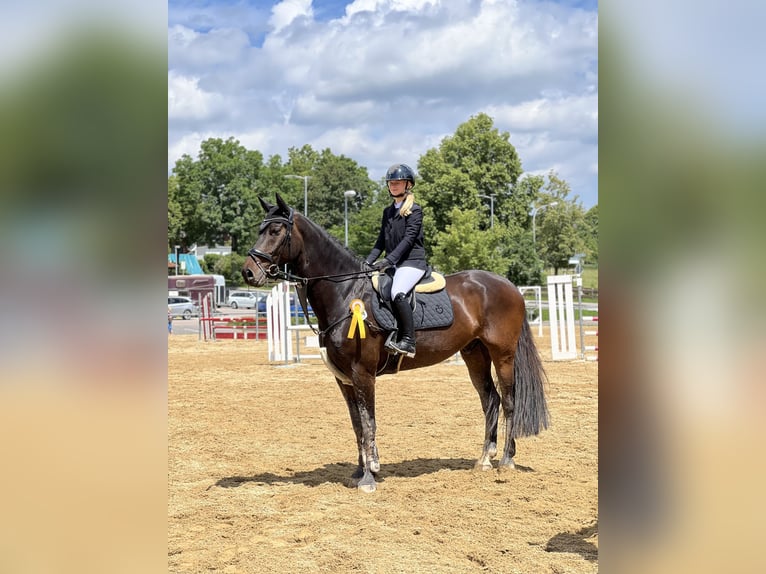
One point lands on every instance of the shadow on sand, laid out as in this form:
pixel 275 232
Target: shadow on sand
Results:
pixel 576 543
pixel 341 472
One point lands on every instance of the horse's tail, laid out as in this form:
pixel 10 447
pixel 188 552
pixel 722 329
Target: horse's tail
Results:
pixel 530 410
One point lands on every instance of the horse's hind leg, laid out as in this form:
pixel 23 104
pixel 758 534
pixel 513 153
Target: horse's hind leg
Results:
pixel 479 365
pixel 505 381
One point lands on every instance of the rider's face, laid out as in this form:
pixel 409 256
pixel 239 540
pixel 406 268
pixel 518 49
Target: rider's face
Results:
pixel 397 187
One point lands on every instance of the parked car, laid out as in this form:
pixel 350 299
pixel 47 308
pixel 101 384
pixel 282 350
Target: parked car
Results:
pixel 295 307
pixel 262 303
pixel 245 299
pixel 182 307
pixel 256 300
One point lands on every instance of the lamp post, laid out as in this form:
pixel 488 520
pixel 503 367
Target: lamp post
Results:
pixel 491 199
pixel 305 179
pixel 535 210
pixel 178 264
pixel 346 195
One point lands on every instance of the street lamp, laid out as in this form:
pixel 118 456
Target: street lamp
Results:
pixel 534 214
pixel 346 195
pixel 491 199
pixel 305 179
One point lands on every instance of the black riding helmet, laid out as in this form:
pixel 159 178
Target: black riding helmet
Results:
pixel 400 171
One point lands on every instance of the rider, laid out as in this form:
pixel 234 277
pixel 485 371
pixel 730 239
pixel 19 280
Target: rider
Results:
pixel 401 236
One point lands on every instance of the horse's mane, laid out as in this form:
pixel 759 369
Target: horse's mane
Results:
pixel 344 256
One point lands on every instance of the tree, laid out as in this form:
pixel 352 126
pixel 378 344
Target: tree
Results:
pixel 477 160
pixel 463 245
pixel 475 164
pixel 230 266
pixel 334 175
pixel 560 228
pixel 364 219
pixel 590 235
pixel 217 192
pixel 175 217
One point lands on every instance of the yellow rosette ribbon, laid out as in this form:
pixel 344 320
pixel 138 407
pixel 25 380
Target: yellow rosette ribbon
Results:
pixel 358 315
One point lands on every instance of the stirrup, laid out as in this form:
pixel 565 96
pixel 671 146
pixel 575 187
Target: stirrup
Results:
pixel 403 347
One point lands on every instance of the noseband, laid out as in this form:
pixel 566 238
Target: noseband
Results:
pixel 272 271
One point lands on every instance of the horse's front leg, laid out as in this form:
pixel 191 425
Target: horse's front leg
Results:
pixel 356 422
pixel 364 391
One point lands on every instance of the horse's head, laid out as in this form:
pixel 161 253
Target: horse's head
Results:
pixel 274 247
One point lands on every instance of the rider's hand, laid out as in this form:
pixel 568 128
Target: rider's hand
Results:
pixel 379 265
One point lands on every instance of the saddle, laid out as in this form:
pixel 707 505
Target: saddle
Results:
pixel 430 301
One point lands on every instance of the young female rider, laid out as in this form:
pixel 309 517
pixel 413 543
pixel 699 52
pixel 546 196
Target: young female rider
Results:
pixel 401 236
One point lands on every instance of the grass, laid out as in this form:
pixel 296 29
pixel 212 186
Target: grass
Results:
pixel 589 275
pixel 589 281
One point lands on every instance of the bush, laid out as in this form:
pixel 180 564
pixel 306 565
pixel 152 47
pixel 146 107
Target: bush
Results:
pixel 230 266
pixel 209 262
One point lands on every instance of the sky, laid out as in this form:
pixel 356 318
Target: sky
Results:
pixel 383 81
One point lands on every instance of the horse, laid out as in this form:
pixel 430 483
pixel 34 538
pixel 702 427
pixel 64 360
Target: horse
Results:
pixel 489 328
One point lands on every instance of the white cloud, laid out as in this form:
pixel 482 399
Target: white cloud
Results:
pixel 202 52
pixel 186 101
pixel 388 79
pixel 284 13
pixel 382 6
pixel 187 144
pixel 574 115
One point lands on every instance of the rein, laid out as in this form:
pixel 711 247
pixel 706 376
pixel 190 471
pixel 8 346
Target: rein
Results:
pixel 274 272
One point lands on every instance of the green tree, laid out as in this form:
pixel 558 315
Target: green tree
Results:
pixel 590 235
pixel 230 266
pixel 560 228
pixel 476 171
pixel 463 245
pixel 476 161
pixel 175 217
pixel 333 176
pixel 525 268
pixel 217 192
pixel 364 219
pixel 209 261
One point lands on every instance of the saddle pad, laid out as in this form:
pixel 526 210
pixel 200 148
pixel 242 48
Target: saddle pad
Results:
pixel 431 310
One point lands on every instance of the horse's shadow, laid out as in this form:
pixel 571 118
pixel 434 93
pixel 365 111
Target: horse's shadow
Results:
pixel 340 473
pixel 575 542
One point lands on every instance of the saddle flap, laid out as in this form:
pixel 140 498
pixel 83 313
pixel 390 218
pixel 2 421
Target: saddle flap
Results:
pixel 431 310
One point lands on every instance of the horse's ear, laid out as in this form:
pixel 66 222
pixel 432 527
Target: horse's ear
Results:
pixel 282 205
pixel 265 205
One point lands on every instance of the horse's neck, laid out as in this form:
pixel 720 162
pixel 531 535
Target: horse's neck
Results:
pixel 321 257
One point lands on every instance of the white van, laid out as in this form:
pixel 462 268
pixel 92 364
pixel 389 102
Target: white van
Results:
pixel 245 299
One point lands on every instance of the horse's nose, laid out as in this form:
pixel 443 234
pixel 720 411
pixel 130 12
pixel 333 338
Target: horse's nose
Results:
pixel 247 275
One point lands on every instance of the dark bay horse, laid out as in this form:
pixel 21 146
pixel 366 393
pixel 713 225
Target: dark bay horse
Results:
pixel 489 328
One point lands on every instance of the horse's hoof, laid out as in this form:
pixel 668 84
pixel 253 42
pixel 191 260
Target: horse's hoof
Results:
pixel 482 466
pixel 367 487
pixel 506 466
pixel 358 473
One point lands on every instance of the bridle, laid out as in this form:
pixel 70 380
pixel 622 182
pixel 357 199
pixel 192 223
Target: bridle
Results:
pixel 273 271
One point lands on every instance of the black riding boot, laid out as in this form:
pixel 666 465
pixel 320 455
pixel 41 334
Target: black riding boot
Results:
pixel 405 322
